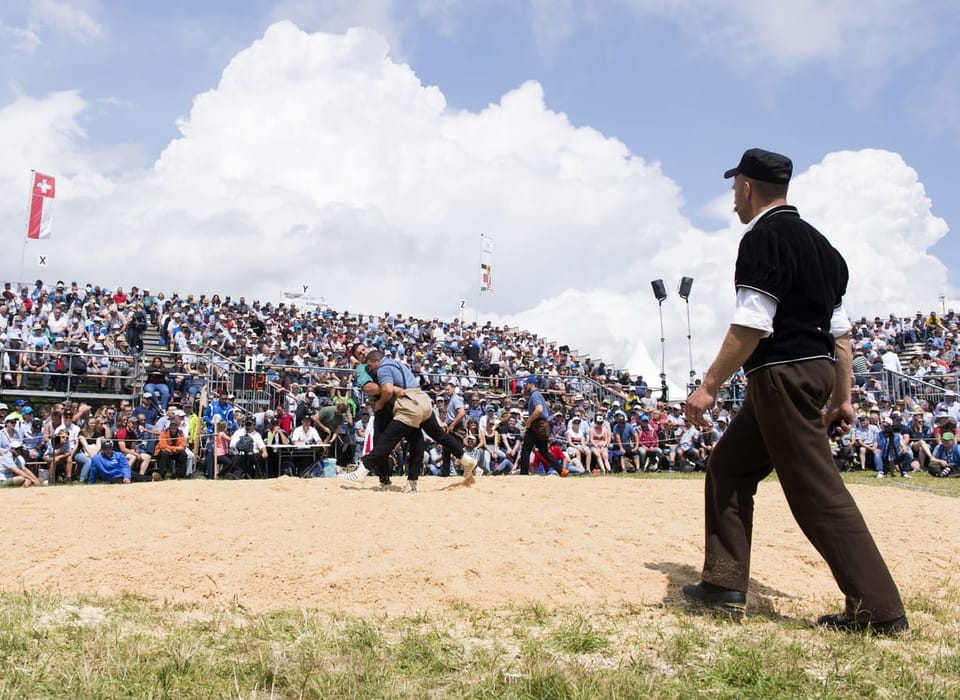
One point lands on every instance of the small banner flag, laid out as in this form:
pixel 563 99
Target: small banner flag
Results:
pixel 41 206
pixel 486 264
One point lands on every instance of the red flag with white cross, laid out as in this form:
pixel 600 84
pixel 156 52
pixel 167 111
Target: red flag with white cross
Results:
pixel 41 206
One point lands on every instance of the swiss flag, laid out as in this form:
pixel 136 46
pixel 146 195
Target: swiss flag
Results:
pixel 41 206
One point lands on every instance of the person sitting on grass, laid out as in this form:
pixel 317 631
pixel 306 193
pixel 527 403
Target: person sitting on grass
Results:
pixel 13 468
pixel 946 457
pixel 109 465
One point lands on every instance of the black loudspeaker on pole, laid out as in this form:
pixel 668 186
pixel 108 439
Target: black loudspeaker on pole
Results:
pixel 660 292
pixel 686 285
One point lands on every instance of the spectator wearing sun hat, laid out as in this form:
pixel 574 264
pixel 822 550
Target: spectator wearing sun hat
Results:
pixel 950 405
pixel 10 432
pixel 13 468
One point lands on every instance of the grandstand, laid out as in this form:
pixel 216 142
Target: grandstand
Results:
pixel 82 345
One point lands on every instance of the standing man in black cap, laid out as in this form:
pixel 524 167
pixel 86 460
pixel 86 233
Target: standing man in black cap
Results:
pixel 792 337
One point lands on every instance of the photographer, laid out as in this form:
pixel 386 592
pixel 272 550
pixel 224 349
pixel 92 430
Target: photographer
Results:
pixel 946 458
pixel 59 454
pixel 892 454
pixel 31 432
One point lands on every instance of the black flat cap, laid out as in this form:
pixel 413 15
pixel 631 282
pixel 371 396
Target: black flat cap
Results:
pixel 765 166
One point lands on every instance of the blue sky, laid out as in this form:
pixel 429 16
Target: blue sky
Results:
pixel 638 76
pixel 688 87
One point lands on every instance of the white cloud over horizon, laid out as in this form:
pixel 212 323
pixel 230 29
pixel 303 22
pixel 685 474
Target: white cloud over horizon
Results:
pixel 318 159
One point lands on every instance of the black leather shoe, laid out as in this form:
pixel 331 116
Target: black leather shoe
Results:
pixel 725 600
pixel 845 622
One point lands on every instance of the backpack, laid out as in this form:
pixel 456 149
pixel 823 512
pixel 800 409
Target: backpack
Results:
pixel 77 365
pixel 245 444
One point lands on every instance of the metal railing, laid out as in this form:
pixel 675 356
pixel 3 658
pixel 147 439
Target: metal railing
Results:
pixel 67 372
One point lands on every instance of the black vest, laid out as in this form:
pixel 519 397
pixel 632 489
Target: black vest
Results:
pixel 788 259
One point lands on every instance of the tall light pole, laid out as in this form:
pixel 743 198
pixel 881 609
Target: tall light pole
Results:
pixel 660 292
pixel 686 284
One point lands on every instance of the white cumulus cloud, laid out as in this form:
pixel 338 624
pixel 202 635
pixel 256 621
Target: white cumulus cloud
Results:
pixel 318 159
pixel 68 18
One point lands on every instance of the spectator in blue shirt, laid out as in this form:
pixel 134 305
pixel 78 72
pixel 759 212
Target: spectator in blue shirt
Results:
pixel 109 466
pixel 946 457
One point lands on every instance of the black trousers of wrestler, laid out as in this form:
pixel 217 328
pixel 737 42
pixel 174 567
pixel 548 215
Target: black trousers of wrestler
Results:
pixel 378 459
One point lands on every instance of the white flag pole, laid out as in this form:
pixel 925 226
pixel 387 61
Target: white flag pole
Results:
pixel 23 252
pixel 476 318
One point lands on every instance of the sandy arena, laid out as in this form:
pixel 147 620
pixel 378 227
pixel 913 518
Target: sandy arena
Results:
pixel 322 543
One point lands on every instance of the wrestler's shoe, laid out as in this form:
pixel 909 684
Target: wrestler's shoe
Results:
pixel 848 622
pixel 411 487
pixel 468 463
pixel 724 600
pixel 356 476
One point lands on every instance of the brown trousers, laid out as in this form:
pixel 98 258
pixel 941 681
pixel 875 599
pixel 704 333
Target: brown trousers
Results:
pixel 780 428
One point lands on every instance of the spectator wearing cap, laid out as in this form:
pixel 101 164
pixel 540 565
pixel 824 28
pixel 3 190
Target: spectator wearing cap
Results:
pixel 648 444
pixel 147 410
pixel 171 451
pixel 59 455
pixel 687 455
pixel 36 362
pixel 121 363
pixel 305 433
pixel 31 431
pixel 247 462
pixel 625 445
pixel 893 450
pixel 946 457
pixel 489 416
pixel 13 467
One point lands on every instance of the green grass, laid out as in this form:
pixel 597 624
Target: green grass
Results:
pixel 134 647
pixel 920 481
pixel 138 647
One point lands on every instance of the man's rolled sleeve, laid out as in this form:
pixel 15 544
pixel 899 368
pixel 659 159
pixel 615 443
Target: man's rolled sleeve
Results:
pixel 755 310
pixel 840 322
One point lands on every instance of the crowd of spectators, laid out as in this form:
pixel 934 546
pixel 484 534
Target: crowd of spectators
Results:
pixel 606 419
